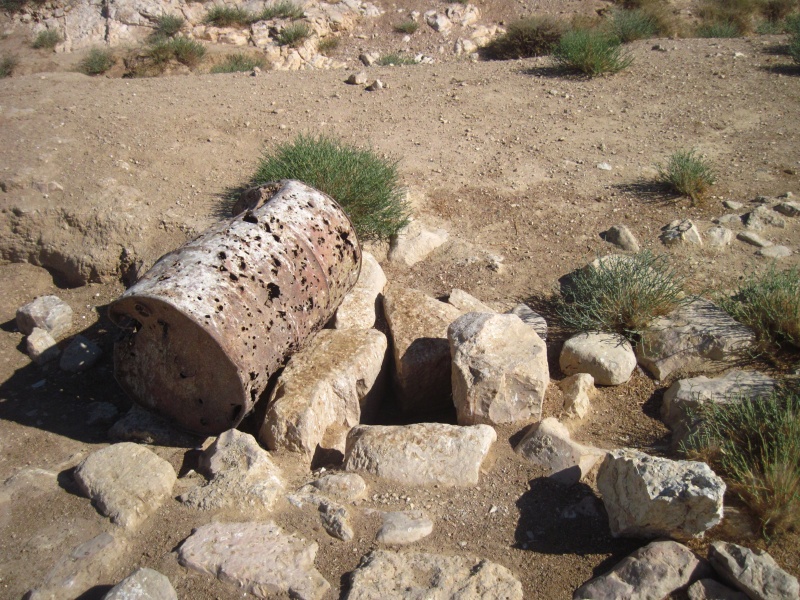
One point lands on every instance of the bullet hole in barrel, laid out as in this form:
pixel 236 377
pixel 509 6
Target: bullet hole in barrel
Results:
pixel 276 262
pixel 183 375
pixel 234 277
pixel 164 329
pixel 273 290
pixel 242 264
pixel 219 307
pixel 142 310
pixel 276 237
pixel 267 228
pixel 250 218
pixel 253 375
pixel 222 256
pixel 200 401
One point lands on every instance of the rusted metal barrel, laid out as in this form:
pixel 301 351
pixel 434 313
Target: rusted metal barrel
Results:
pixel 209 323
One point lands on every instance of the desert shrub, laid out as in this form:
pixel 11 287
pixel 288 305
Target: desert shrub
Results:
pixel 364 184
pixel 284 9
pixel 754 444
pixel 775 11
pixel 46 39
pixel 293 35
pixel 407 27
pixel 168 25
pixel 721 17
pixel 792 24
pixel 720 29
pixel 794 48
pixel 226 16
pixel 621 294
pixel 770 305
pixel 187 51
pixel 7 66
pixel 534 36
pixel 687 174
pixel 395 59
pixel 591 52
pixel 234 63
pixel 97 62
pixel 632 25
pixel 328 44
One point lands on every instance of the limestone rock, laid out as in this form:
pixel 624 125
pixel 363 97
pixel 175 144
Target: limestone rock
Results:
pixel 258 558
pixel 343 487
pixel 41 346
pixel 143 584
pixel 607 357
pixel 647 496
pixel 49 313
pixel 126 482
pixel 653 572
pixel 438 22
pixel 548 444
pixel 241 476
pixel 360 306
pixel 404 527
pixel 142 426
pixel 467 303
pixel 775 252
pixel 710 589
pixel 755 573
pixel 748 237
pixel 681 231
pixel 79 355
pixel 789 209
pixel 532 319
pixel 578 390
pixel 499 370
pixel 418 325
pixel 694 337
pixel 326 384
pixel 335 519
pixel 621 236
pixel 420 454
pixel 359 78
pixel 763 217
pixel 400 576
pixel 686 396
pixel 719 237
pixel 376 86
pixel 414 243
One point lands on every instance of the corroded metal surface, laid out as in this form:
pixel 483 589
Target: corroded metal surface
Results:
pixel 212 321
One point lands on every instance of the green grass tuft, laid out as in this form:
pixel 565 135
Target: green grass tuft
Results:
pixel 720 29
pixel 632 25
pixel 47 39
pixel 755 446
pixel 238 62
pixel 184 50
pixel 591 52
pixel 294 35
pixel 327 45
pixel 7 66
pixel 168 25
pixel 687 174
pixel 284 9
pixel 620 294
pixel 395 59
pixel 97 62
pixel 408 27
pixel 365 185
pixel 227 16
pixel 534 36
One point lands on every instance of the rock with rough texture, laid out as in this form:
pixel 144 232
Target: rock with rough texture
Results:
pixel 499 370
pixel 754 572
pixel 789 209
pixel 686 396
pixel 650 573
pixel 646 496
pixel 719 237
pixel 467 303
pixel 532 319
pixel 126 482
pixel 414 243
pixel 694 337
pixel 335 520
pixel 401 576
pixel 258 558
pixel 438 22
pixel 681 231
pixel 621 236
pixel 326 385
pixel 762 217
pixel 775 252
pixel 420 454
pixel 607 357
pixel 41 346
pixel 49 313
pixel 143 584
pixel 710 589
pixel 418 326
pixel 748 237
pixel 578 391
pixel 241 476
pixel 548 444
pixel 343 487
pixel 360 306
pixel 79 355
pixel 359 78
pixel 404 527
pixel 142 426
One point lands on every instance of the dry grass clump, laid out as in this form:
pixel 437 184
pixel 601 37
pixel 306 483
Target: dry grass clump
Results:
pixel 7 66
pixel 238 62
pixel 293 35
pixel 687 174
pixel 97 62
pixel 46 39
pixel 534 36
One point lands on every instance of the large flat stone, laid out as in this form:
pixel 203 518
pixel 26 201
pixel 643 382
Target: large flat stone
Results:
pixel 607 357
pixel 404 527
pixel 49 313
pixel 421 454
pixel 360 306
pixel 754 572
pixel 143 584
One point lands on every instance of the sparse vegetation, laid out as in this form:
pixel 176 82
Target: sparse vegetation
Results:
pixel 97 62
pixel 234 63
pixel 168 25
pixel 293 35
pixel 408 27
pixel 7 66
pixel 591 52
pixel 534 36
pixel 283 9
pixel 793 29
pixel 227 16
pixel 395 59
pixel 327 45
pixel 777 10
pixel 46 39
pixel 181 49
pixel 632 25
pixel 364 184
pixel 719 29
pixel 687 174
pixel 755 445
pixel 621 294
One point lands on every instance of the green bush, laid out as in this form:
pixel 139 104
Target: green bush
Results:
pixel 7 66
pixel 284 9
pixel 227 16
pixel 365 185
pixel 534 36
pixel 46 39
pixel 409 27
pixel 720 29
pixel 181 49
pixel 770 305
pixel 620 294
pixel 755 445
pixel 794 48
pixel 632 25
pixel 293 35
pixel 168 25
pixel 395 59
pixel 591 52
pixel 97 62
pixel 792 24
pixel 235 63
pixel 777 10
pixel 328 45
pixel 687 174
